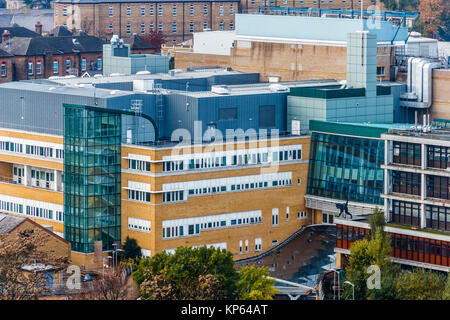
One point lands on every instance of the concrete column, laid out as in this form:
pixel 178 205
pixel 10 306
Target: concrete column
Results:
pixel 423 218
pixel 424 157
pixel 57 186
pixel 26 175
pixel 387 213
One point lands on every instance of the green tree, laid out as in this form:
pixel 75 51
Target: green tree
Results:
pixel 446 293
pixel 420 285
pixel 131 250
pixel 254 284
pixel 183 274
pixel 365 253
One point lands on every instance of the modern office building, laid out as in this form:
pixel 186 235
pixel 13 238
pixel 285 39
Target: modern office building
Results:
pixel 416 193
pixel 93 158
pixel 345 164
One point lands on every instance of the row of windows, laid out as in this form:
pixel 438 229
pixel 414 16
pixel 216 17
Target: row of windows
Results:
pixel 406 213
pixel 193 226
pixel 249 158
pixel 138 165
pixel 160 10
pixel 139 195
pixel 285 2
pixel 139 224
pixel 258 245
pixel 174 26
pixel 173 196
pixel 438 218
pixel 32 149
pixel 37 212
pixel 407 153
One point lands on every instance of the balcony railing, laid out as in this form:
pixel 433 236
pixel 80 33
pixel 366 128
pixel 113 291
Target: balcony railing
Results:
pixel 19 182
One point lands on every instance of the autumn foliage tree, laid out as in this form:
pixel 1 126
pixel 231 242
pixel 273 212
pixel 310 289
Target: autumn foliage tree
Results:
pixel 156 39
pixel 431 12
pixel 25 249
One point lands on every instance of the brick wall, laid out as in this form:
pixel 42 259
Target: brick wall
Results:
pixel 96 19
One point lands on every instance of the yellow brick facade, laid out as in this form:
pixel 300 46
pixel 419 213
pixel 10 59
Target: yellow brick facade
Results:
pixel 156 211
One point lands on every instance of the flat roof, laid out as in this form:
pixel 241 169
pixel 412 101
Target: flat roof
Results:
pixel 258 88
pixel 48 87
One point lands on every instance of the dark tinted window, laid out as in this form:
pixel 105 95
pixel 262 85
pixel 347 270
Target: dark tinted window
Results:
pixel 267 116
pixel 227 113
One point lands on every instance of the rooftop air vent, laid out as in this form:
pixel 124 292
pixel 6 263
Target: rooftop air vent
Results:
pixel 220 90
pixel 275 87
pixel 143 72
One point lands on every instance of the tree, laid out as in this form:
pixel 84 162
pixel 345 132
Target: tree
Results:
pixel 156 39
pixel 365 253
pixel 430 15
pixel 420 285
pixel 187 274
pixel 446 293
pixel 19 250
pixel 44 4
pixel 131 250
pixel 110 286
pixel 254 284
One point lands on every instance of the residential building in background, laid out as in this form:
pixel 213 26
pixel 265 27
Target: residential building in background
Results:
pixel 176 19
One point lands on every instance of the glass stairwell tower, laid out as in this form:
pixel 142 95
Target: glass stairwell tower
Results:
pixel 92 154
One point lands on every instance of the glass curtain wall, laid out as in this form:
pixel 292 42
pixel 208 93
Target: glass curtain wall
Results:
pixel 92 146
pixel 343 167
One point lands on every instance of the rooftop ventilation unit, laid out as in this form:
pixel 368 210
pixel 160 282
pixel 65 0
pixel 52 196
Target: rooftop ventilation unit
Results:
pixel 174 71
pixel 143 72
pixel 275 87
pixel 223 90
pixel 116 75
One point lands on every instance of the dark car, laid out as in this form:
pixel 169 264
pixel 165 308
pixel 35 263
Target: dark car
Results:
pixel 90 277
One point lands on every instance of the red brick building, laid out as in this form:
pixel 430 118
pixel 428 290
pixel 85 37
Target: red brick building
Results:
pixel 6 66
pixel 42 57
pixel 177 19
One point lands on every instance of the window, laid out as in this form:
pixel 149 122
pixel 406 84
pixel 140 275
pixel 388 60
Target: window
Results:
pixel 404 212
pixel 205 9
pixel 258 244
pixel 64 11
pixel 143 11
pixel 221 10
pixel 275 217
pixel 139 195
pixel 246 245
pixel 128 11
pixel 142 27
pixel 30 68
pixel 151 10
pixel 160 26
pixel 240 246
pixel 191 26
pixel 231 25
pixel 174 10
pixel 111 27
pixel 205 25
pixel 160 10
pixel 55 66
pixel 231 9
pixel 174 27
pixel 227 114
pixel 191 10
pixel 267 116
pixel 83 64
pixel 56 11
pixel 287 213
pixel 221 26
pixel 151 26
pixel 111 11
pixel 4 71
pixel 128 27
pixel 99 63
pixel 380 71
pixel 68 65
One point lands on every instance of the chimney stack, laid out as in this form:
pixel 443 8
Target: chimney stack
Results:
pixel 6 36
pixel 38 28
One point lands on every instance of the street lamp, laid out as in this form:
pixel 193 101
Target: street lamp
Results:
pixel 334 276
pixel 353 288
